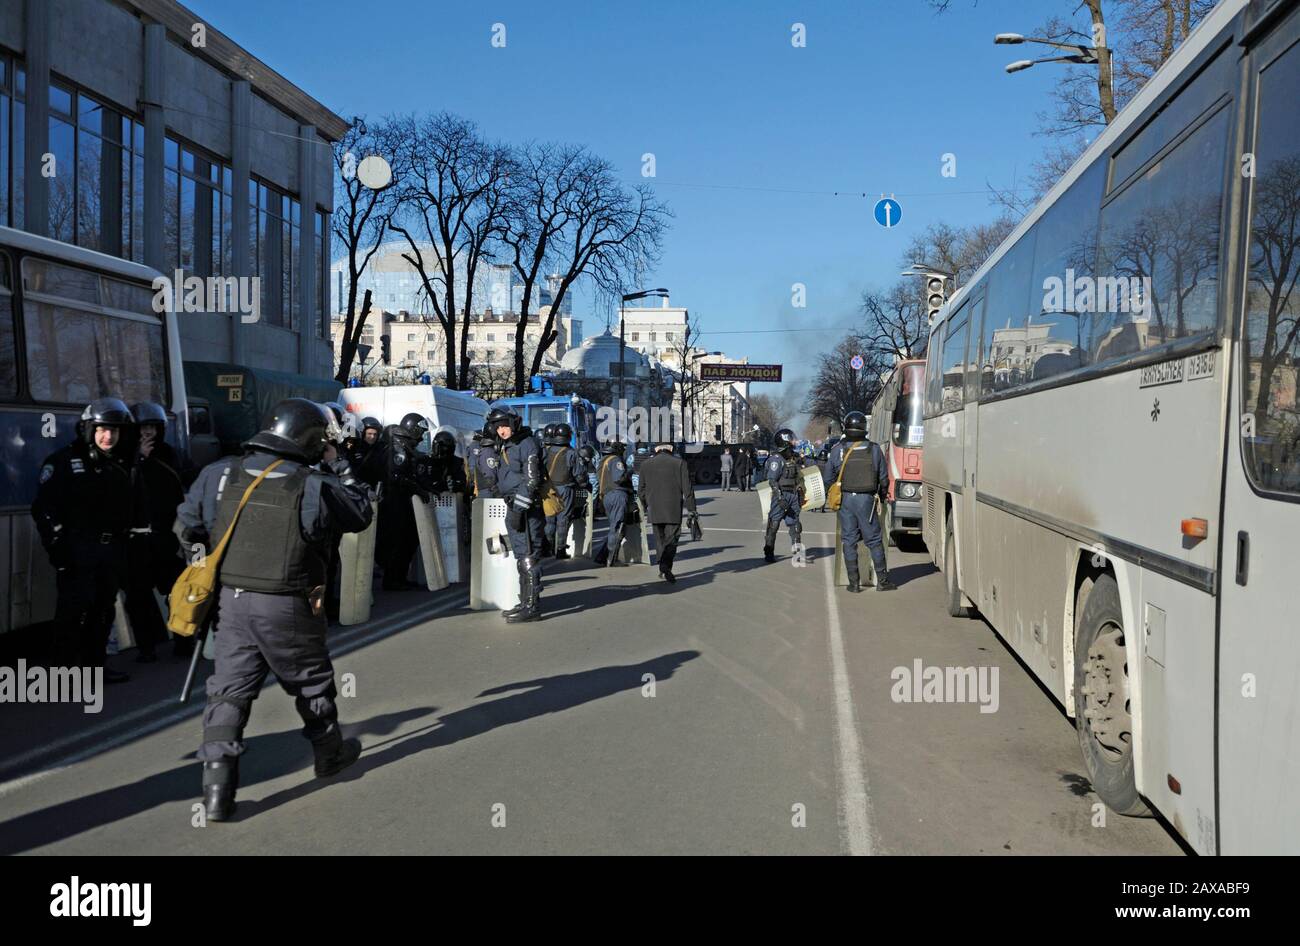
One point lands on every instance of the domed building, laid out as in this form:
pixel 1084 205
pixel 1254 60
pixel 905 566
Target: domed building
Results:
pixel 592 371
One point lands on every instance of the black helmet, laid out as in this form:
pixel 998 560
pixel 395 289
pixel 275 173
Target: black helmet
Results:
pixel 444 444
pixel 371 423
pixel 855 425
pixel 413 427
pixel 147 412
pixel 503 417
pixel 548 434
pixel 489 434
pixel 103 412
pixel 563 435
pixel 297 429
pixel 784 440
pixel 586 452
pixel 611 448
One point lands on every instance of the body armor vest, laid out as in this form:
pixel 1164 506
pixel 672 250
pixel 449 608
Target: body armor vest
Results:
pixel 859 468
pixel 561 465
pixel 789 478
pixel 267 552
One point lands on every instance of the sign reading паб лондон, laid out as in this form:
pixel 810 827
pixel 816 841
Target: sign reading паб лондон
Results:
pixel 719 372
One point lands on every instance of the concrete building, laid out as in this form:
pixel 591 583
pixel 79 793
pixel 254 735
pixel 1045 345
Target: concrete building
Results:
pixel 174 147
pixel 654 329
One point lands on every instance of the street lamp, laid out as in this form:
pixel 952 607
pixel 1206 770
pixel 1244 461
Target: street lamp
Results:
pixel 685 368
pixel 622 344
pixel 1077 53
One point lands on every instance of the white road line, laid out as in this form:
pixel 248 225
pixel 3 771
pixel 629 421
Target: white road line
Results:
pixel 761 531
pixel 371 632
pixel 855 803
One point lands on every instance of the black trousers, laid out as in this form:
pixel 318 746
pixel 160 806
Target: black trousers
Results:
pixel 154 564
pixel 397 538
pixel 87 592
pixel 257 634
pixel 667 535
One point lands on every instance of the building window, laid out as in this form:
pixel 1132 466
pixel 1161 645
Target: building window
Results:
pixel 277 218
pixel 410 336
pixel 668 335
pixel 491 336
pixel 11 143
pixel 510 336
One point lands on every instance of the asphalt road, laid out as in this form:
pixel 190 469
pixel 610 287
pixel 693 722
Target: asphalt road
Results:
pixel 748 709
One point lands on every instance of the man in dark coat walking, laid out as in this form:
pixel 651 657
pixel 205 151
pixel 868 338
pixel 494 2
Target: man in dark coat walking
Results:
pixel 665 488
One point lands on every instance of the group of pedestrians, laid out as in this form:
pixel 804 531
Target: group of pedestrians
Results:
pixel 738 466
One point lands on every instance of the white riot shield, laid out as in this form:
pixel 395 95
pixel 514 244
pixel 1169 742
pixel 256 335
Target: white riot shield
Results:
pixel 814 496
pixel 426 527
pixel 356 571
pixel 493 577
pixel 589 525
pixel 576 540
pixel 450 512
pixel 764 493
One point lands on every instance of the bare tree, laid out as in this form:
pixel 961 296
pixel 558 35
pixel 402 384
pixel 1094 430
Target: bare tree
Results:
pixel 358 223
pixel 569 215
pixel 449 208
pixel 772 412
pixel 838 387
pixel 688 382
pixel 896 323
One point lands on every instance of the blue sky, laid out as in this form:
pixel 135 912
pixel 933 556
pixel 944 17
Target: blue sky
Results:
pixel 735 115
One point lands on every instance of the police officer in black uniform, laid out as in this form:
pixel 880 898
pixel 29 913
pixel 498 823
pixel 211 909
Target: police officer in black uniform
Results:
pixel 563 470
pixel 783 476
pixel 614 481
pixel 368 452
pixel 155 557
pixel 519 482
pixel 405 476
pixel 87 503
pixel 446 474
pixel 865 476
pixel 270 617
pixel 481 464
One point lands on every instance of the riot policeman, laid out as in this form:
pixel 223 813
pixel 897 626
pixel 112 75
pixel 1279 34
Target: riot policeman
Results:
pixel 787 492
pixel 367 453
pixel 519 482
pixel 563 470
pixel 446 474
pixel 87 504
pixel 863 475
pixel 480 465
pixel 614 481
pixel 154 556
pixel 404 477
pixel 270 617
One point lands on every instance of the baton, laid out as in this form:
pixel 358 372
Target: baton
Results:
pixel 200 639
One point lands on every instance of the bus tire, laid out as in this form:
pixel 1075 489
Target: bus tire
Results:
pixel 1102 708
pixel 955 607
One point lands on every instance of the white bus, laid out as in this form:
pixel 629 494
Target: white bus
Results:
pixel 1112 437
pixel 74 325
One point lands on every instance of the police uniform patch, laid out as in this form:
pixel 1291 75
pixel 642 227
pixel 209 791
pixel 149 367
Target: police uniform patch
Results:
pixel 46 472
pixel 77 465
pixel 775 465
pixel 493 462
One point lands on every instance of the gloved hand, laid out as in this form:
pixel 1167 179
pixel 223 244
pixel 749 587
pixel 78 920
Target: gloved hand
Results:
pixel 423 494
pixel 60 552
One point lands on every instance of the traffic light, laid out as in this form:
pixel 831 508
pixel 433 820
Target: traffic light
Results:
pixel 386 348
pixel 934 297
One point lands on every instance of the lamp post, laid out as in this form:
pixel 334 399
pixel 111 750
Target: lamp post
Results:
pixel 686 391
pixel 1098 55
pixel 622 344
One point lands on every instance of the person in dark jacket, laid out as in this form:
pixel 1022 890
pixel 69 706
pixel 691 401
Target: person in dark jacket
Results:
pixel 614 482
pixel 744 468
pixel 665 487
pixel 270 616
pixel 865 476
pixel 367 454
pixel 519 476
pixel 405 476
pixel 87 505
pixel 563 468
pixel 155 556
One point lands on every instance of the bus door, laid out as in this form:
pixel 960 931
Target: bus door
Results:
pixel 970 437
pixel 1259 633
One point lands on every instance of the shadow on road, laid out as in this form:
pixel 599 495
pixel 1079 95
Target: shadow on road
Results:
pixel 267 757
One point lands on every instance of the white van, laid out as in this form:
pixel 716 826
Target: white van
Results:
pixel 457 410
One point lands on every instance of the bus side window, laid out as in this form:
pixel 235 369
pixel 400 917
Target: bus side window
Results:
pixel 1008 350
pixel 954 364
pixel 1270 347
pixel 8 349
pixel 933 374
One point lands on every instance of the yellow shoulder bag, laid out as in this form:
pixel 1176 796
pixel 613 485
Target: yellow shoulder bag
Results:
pixel 833 492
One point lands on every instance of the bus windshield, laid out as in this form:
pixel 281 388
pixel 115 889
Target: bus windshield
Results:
pixel 909 430
pixel 539 416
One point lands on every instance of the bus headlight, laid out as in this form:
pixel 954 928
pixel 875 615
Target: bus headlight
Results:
pixel 908 490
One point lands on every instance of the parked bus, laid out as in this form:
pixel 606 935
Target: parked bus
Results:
pixel 897 425
pixel 1127 521
pixel 74 325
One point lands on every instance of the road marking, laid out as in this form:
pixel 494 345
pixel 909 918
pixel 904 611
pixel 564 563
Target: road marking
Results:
pixel 369 633
pixel 855 803
pixel 763 531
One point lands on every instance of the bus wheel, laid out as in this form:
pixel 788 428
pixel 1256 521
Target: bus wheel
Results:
pixel 955 607
pixel 1102 707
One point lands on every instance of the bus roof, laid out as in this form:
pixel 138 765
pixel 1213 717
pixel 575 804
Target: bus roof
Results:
pixel 1165 76
pixel 67 252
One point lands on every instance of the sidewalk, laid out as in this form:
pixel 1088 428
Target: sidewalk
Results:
pixel 34 736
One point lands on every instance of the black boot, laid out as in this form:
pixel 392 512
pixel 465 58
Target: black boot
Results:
pixel 882 581
pixel 334 754
pixel 769 544
pixel 562 554
pixel 855 579
pixel 220 779
pixel 614 562
pixel 601 558
pixel 529 596
pixel 519 567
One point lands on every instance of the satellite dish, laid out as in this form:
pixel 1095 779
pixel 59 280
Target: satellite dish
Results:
pixel 374 172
